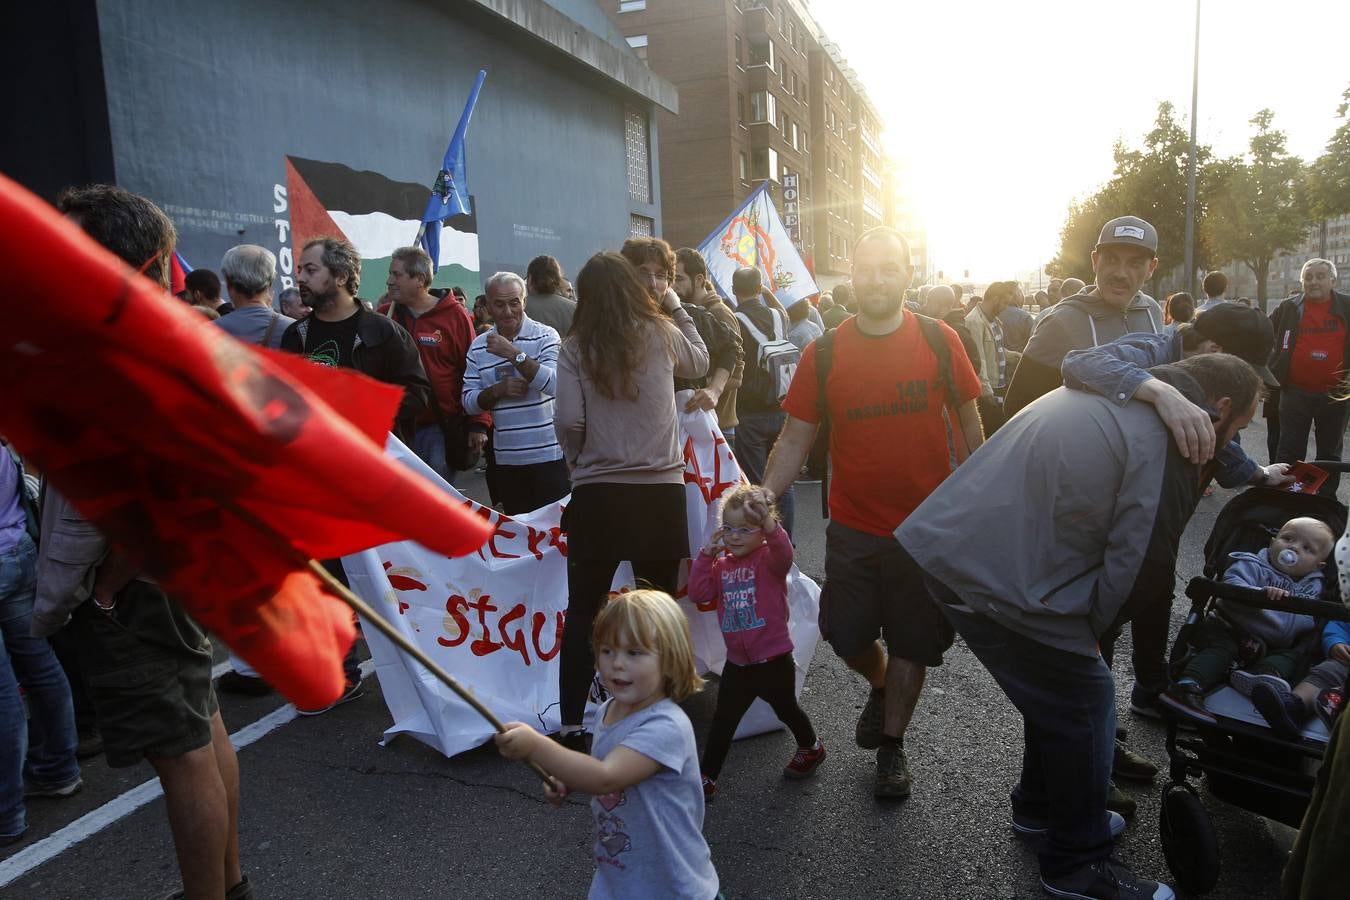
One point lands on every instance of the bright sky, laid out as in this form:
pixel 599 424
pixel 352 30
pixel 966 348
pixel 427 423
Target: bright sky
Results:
pixel 999 114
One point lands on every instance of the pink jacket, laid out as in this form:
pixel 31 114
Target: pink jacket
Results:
pixel 751 595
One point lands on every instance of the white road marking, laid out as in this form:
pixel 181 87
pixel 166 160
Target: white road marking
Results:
pixel 91 823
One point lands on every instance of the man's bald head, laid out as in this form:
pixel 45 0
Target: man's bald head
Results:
pixel 746 283
pixel 940 301
pixel 1070 287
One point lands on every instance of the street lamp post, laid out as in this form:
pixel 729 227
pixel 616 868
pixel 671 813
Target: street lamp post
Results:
pixel 1190 164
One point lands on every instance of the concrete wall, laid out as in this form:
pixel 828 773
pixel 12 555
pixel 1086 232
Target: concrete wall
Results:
pixel 206 101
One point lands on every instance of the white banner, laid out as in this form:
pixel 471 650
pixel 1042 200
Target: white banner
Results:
pixel 494 619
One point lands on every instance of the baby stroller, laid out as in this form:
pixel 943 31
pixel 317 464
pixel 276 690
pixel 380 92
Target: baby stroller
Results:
pixel 1243 762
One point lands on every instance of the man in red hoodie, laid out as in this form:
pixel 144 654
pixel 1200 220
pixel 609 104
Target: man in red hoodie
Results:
pixel 442 329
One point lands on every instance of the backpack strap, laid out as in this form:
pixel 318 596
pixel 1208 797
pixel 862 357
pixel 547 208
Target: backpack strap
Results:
pixel 824 361
pixel 932 333
pixel 271 327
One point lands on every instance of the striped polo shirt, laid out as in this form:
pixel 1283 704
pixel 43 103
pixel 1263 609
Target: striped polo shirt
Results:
pixel 522 430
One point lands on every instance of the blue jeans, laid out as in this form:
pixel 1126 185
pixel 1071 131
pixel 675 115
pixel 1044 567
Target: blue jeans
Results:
pixel 1302 413
pixel 1068 707
pixel 755 436
pixel 43 750
pixel 429 445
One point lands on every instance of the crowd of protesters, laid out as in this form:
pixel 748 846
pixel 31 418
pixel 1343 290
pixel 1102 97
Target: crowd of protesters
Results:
pixel 1105 413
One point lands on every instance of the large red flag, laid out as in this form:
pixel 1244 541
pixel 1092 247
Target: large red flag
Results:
pixel 218 467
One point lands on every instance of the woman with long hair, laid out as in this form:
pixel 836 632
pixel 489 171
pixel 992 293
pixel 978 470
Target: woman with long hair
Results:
pixel 616 421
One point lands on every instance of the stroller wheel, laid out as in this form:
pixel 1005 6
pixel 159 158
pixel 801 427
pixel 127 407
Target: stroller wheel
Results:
pixel 1188 840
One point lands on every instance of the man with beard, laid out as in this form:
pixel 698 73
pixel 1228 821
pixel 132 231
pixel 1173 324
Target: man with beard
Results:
pixel 899 401
pixel 1125 258
pixel 691 284
pixel 341 332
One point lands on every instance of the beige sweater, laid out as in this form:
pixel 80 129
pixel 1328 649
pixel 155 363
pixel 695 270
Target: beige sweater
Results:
pixel 621 440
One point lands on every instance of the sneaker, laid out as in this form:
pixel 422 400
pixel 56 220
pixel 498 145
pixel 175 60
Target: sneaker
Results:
pixel 54 791
pixel 1281 709
pixel 1026 826
pixel 354 690
pixel 241 891
pixel 1328 705
pixel 1132 766
pixel 1188 701
pixel 871 721
pixel 804 762
pixel 893 781
pixel 1243 680
pixel 1144 703
pixel 1121 802
pixel 246 685
pixel 1106 879
pixel 709 790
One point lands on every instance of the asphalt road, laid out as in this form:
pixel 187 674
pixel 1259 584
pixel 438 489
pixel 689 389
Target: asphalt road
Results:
pixel 327 812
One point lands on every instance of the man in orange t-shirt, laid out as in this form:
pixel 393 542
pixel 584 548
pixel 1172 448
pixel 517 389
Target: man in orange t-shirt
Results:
pixel 1312 345
pixel 893 439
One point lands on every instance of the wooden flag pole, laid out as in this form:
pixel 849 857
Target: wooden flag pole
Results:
pixel 363 609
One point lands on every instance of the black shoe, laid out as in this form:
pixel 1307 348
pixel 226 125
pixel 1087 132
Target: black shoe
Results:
pixel 247 685
pixel 873 718
pixel 1121 802
pixel 893 781
pixel 1132 766
pixel 1187 701
pixel 1281 709
pixel 1106 880
pixel 1028 827
pixel 90 744
pixel 1144 703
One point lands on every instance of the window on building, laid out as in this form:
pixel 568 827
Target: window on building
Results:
pixel 745 167
pixel 739 58
pixel 636 139
pixel 763 107
pixel 764 163
pixel 783 125
pixel 805 148
pixel 639 44
pixel 632 5
pixel 740 109
pixel 761 54
pixel 641 226
pixel 795 85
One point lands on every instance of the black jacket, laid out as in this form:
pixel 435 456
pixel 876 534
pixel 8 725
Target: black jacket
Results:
pixel 957 320
pixel 724 346
pixel 385 352
pixel 1286 319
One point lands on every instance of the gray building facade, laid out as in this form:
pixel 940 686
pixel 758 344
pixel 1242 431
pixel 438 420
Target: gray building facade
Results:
pixel 200 105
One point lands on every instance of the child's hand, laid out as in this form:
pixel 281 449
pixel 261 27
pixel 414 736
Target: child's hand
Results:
pixel 716 543
pixel 555 791
pixel 757 509
pixel 1340 653
pixel 518 741
pixel 1275 593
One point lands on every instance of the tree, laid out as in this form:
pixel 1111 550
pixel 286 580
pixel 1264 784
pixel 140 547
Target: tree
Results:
pixel 1258 204
pixel 1327 185
pixel 1149 182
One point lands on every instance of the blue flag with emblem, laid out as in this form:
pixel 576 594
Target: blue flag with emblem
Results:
pixel 450 193
pixel 754 236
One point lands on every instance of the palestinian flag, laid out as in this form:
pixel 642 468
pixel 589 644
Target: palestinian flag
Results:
pixel 378 216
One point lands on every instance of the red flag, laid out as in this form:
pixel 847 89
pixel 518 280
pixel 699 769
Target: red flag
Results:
pixel 218 467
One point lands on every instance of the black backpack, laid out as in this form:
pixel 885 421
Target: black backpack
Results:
pixel 932 333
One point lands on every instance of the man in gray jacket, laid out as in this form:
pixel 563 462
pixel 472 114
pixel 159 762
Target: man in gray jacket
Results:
pixel 1125 257
pixel 1091 500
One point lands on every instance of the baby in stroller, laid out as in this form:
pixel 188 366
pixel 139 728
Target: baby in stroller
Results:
pixel 1270 645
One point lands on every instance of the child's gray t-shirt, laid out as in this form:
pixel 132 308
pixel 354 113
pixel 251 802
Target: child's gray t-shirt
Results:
pixel 649 837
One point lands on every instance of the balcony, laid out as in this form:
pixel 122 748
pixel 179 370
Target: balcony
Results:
pixel 760 23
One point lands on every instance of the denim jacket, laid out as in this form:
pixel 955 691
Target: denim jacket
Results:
pixel 1116 370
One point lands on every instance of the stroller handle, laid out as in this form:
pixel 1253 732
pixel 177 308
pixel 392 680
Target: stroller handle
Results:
pixel 1330 465
pixel 1200 589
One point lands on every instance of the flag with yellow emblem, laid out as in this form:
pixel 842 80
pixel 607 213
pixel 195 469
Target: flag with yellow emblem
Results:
pixel 754 236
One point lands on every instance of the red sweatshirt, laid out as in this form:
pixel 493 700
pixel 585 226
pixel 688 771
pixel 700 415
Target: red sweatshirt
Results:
pixel 751 594
pixel 442 335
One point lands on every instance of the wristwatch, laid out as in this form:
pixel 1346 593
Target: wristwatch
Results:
pixel 519 359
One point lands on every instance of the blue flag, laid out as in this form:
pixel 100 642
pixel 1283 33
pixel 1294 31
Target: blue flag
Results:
pixel 754 236
pixel 450 193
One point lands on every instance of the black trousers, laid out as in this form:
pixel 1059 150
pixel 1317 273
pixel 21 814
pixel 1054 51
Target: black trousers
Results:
pixel 522 489
pixel 588 584
pixel 774 681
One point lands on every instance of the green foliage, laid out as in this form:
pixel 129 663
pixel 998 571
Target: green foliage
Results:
pixel 1328 181
pixel 1258 202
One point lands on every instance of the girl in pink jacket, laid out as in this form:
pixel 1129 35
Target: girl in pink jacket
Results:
pixel 744 569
